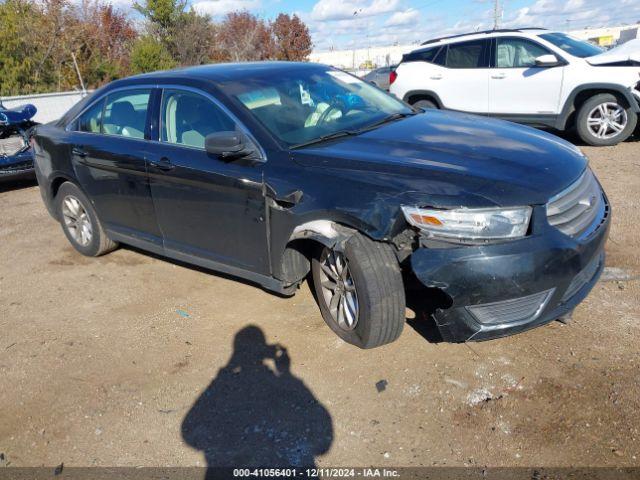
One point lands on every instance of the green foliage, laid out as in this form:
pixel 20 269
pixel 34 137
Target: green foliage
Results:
pixel 39 38
pixel 149 55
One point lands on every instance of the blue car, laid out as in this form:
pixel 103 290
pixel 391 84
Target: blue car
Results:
pixel 16 157
pixel 277 172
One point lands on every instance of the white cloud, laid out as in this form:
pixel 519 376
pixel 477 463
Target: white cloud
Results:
pixel 220 7
pixel 406 17
pixel 328 10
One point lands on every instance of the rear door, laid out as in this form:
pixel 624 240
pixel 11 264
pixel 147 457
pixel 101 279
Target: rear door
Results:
pixel 108 145
pixel 517 85
pixel 462 82
pixel 206 207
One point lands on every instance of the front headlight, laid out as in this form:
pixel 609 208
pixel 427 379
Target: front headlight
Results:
pixel 468 224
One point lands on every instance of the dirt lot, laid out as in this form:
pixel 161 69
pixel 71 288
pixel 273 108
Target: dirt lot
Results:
pixel 132 360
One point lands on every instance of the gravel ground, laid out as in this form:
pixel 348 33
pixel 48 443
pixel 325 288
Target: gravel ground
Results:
pixel 132 360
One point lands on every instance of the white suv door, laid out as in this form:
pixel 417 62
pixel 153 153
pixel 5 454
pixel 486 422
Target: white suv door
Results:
pixel 517 85
pixel 463 81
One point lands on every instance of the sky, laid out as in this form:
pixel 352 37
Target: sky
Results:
pixel 343 24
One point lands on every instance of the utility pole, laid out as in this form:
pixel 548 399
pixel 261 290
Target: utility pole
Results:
pixel 496 14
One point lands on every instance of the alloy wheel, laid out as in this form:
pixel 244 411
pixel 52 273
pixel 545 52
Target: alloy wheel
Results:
pixel 338 289
pixel 607 120
pixel 77 221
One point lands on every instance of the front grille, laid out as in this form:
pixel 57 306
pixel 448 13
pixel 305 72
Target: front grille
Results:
pixel 576 208
pixel 584 277
pixel 513 310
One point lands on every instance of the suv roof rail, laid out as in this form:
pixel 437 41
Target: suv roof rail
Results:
pixel 434 40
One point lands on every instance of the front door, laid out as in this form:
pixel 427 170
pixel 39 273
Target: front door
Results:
pixel 517 85
pixel 207 208
pixel 108 152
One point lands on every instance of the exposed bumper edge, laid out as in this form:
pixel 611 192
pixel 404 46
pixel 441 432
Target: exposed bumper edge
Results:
pixel 494 273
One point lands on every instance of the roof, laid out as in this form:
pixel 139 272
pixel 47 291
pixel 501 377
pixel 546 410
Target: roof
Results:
pixel 227 71
pixel 480 34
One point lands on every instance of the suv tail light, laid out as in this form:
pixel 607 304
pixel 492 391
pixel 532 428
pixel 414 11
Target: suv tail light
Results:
pixel 392 76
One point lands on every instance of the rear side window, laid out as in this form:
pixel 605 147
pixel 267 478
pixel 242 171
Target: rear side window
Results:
pixel 91 120
pixel 471 54
pixel 125 113
pixel 421 55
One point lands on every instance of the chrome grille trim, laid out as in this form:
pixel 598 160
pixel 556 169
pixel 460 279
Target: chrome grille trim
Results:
pixel 576 208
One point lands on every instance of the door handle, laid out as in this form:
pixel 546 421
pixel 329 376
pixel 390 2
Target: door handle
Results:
pixel 79 152
pixel 437 76
pixel 163 164
pixel 498 76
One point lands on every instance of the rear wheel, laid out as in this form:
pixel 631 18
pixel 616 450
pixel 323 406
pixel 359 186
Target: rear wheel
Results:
pixel 605 120
pixel 424 103
pixel 80 222
pixel 360 292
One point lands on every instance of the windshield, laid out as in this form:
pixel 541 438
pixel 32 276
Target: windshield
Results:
pixel 304 105
pixel 573 46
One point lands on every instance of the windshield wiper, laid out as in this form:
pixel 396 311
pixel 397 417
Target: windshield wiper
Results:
pixel 324 138
pixel 389 118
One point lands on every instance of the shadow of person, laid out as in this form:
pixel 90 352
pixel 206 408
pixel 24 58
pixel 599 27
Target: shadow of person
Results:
pixel 255 413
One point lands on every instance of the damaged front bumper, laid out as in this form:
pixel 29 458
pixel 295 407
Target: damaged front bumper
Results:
pixel 502 289
pixel 16 166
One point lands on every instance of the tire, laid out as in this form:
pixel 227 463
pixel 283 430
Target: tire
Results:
pixel 424 104
pixel 80 222
pixel 373 275
pixel 588 125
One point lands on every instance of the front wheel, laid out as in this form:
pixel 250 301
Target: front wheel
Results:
pixel 603 120
pixel 360 291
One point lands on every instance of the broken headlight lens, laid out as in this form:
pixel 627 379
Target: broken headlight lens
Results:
pixel 470 225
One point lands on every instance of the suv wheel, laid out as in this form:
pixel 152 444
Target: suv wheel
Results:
pixel 424 104
pixel 603 120
pixel 80 222
pixel 360 292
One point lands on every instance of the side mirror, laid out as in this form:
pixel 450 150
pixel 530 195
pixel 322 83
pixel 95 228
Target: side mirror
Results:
pixel 548 60
pixel 230 145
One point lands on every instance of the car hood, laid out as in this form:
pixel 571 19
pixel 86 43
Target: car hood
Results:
pixel 450 159
pixel 629 51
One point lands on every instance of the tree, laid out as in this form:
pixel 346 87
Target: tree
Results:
pixel 194 40
pixel 292 39
pixel 149 55
pixel 163 15
pixel 242 37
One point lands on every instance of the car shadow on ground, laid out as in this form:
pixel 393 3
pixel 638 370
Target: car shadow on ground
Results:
pixel 256 413
pixel 8 185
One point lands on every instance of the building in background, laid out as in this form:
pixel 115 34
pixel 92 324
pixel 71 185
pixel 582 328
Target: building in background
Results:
pixel 608 36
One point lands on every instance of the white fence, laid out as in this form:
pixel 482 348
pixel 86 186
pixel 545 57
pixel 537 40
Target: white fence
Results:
pixel 51 106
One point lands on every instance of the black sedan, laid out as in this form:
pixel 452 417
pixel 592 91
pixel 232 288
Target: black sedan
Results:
pixel 269 171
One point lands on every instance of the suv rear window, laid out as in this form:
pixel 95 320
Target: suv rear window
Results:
pixel 421 55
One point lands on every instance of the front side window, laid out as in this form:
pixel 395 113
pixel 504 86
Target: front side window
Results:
pixel 187 118
pixel 467 55
pixel 518 53
pixel 572 46
pixel 91 120
pixel 305 104
pixel 125 113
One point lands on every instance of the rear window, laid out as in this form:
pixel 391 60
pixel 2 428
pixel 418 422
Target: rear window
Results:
pixel 421 55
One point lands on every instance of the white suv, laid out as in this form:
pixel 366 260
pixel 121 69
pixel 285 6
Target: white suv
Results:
pixel 531 76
